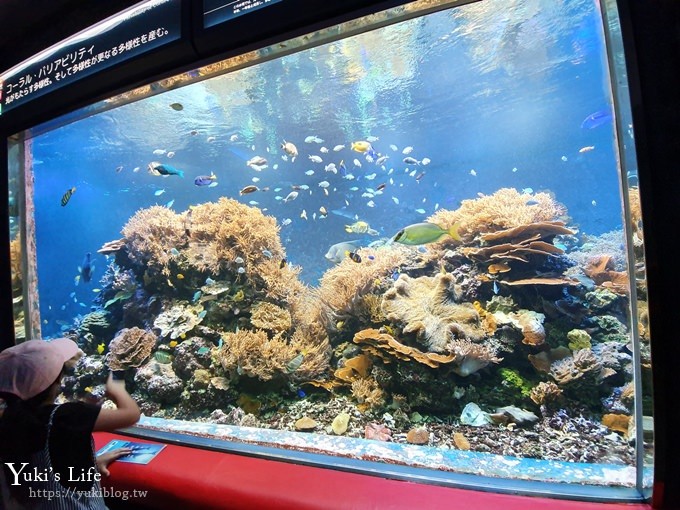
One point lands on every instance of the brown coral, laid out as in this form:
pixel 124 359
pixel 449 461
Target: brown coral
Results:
pixel 254 354
pixel 581 367
pixel 130 348
pixel 270 317
pixel 600 270
pixel 545 392
pixel 342 287
pixel 150 234
pixel 506 208
pixel 426 306
pixel 368 393
pixel 387 347
pixel 179 320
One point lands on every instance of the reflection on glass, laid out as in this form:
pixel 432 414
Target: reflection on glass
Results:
pixel 422 247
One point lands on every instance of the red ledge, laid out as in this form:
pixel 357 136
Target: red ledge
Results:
pixel 184 477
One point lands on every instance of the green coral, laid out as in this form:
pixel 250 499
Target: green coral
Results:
pixel 556 332
pixel 511 378
pixel 578 339
pixel 610 329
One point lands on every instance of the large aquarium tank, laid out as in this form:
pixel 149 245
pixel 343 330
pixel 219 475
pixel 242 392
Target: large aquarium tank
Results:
pixel 412 240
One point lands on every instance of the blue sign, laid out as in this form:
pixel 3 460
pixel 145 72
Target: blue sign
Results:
pixel 219 11
pixel 138 30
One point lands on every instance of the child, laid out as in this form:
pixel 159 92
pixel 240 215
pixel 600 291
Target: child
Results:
pixel 47 447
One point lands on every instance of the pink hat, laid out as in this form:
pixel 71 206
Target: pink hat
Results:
pixel 30 367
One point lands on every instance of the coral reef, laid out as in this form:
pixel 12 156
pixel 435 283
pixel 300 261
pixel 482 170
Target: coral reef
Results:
pixel 179 320
pixel 426 306
pixel 545 393
pixel 581 368
pixel 271 317
pixel 506 208
pixel 342 287
pixel 130 348
pixel 254 354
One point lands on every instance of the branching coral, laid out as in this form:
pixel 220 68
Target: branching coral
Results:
pixel 545 393
pixel 219 232
pixel 368 393
pixel 130 348
pixel 151 234
pixel 506 208
pixel 343 286
pixel 471 357
pixel 270 317
pixel 180 319
pixel 254 354
pixel 426 306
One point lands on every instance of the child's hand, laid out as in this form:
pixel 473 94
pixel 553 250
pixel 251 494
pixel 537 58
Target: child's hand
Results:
pixel 105 459
pixel 114 387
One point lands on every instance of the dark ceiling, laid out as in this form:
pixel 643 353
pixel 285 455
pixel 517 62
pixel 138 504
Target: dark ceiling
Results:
pixel 29 26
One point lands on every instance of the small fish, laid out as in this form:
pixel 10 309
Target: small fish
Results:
pixel 313 139
pixel 473 172
pixel 169 204
pixel 594 202
pixel 159 152
pixel 202 314
pixel 248 189
pixel 531 202
pixel 295 363
pixel 178 107
pixel 193 132
pixel 370 203
pixel 283 263
pixel 101 348
pixel 233 138
pixel 159 192
pixel 210 139
pixel 300 393
pixel 303 214
pixel 597 119
pixel 323 211
pixel 205 180
pixel 96 291
pixel 357 162
pixel 255 179
pixel 254 202
pixel 496 289
pixel 381 186
pixel 324 184
pixel 170 154
pixel 420 211
pixel 315 159
pixel 381 160
pixel 212 184
pixel 290 149
pixel 257 161
pixel 420 176
pixel 349 177
pixel 267 253
pixel 411 161
pixel 338 148
pixel 239 260
pixel 361 146
pixel 173 344
pixel 241 270
pixel 135 169
pixel 309 172
pixel 353 256
pixel 407 150
pixel 286 222
pixel 67 196
pixel 86 269
pixel 527 191
pixel 323 150
pixel 119 169
pixel 330 167
pixel 370 177
pixel 564 158
pixel 395 200
pixel 587 149
pixel 180 276
pixel 197 296
pixel 291 196
pixel 425 161
pixel 156 168
pixel 424 233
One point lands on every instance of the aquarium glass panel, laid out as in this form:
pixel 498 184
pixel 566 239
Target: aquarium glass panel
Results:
pixel 409 238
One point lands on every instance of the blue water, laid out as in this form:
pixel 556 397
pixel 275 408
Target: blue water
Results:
pixel 494 96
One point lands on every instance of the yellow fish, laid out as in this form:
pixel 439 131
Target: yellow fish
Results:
pixel 360 227
pixel 424 233
pixel 101 348
pixel 361 146
pixel 67 196
pixel 173 344
pixel 88 389
pixel 180 276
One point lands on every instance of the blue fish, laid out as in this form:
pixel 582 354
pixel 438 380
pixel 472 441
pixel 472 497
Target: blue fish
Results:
pixel 205 180
pixel 597 119
pixel 301 394
pixel 163 169
pixel 86 268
